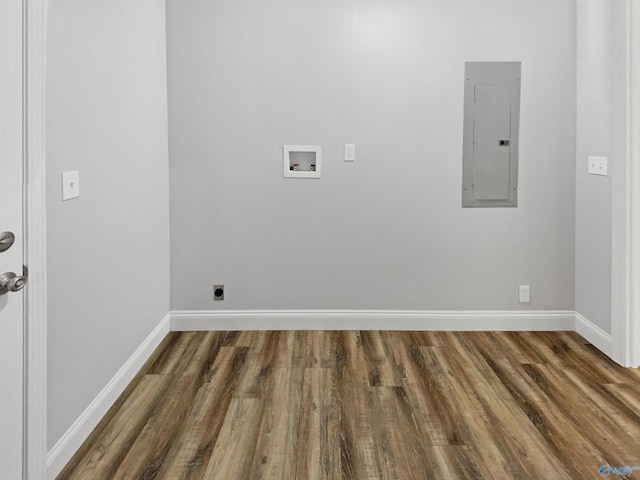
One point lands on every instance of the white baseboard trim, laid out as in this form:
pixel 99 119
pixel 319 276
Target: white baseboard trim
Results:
pixel 594 334
pixel 224 320
pixel 371 320
pixel 73 438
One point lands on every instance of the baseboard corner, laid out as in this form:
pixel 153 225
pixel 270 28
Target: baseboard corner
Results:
pixel 64 449
pixel 594 334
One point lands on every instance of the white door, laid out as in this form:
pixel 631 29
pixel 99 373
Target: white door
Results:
pixel 11 260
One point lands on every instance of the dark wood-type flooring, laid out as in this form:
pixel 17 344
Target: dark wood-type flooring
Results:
pixel 369 405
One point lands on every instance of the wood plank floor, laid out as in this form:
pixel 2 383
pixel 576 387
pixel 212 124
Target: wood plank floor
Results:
pixel 369 405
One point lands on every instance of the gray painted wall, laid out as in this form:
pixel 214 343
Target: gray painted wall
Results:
pixel 388 231
pixel 108 251
pixel 595 69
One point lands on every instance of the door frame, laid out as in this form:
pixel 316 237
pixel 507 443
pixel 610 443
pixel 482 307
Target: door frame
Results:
pixel 35 374
pixel 632 324
pixel 625 274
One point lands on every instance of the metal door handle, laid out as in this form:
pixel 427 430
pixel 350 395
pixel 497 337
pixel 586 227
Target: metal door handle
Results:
pixel 6 240
pixel 10 282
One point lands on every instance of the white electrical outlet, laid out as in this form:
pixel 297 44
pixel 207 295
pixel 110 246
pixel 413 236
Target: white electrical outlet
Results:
pixel 597 166
pixel 349 152
pixel 524 294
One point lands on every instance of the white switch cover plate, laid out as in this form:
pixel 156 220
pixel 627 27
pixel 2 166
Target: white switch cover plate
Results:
pixel 70 185
pixel 349 152
pixel 524 294
pixel 597 165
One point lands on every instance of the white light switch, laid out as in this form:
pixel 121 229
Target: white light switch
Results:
pixel 70 185
pixel 349 152
pixel 597 165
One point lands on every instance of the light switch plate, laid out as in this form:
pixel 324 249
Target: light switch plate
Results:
pixel 598 166
pixel 70 185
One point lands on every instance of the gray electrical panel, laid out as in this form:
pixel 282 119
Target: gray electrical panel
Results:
pixel 490 145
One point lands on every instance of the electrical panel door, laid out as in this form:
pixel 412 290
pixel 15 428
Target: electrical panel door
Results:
pixel 491 123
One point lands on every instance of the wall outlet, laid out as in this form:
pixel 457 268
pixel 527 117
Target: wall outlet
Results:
pixel 524 294
pixel 218 292
pixel 349 152
pixel 598 166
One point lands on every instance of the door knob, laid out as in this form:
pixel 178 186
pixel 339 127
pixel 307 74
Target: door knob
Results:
pixel 10 282
pixel 6 240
